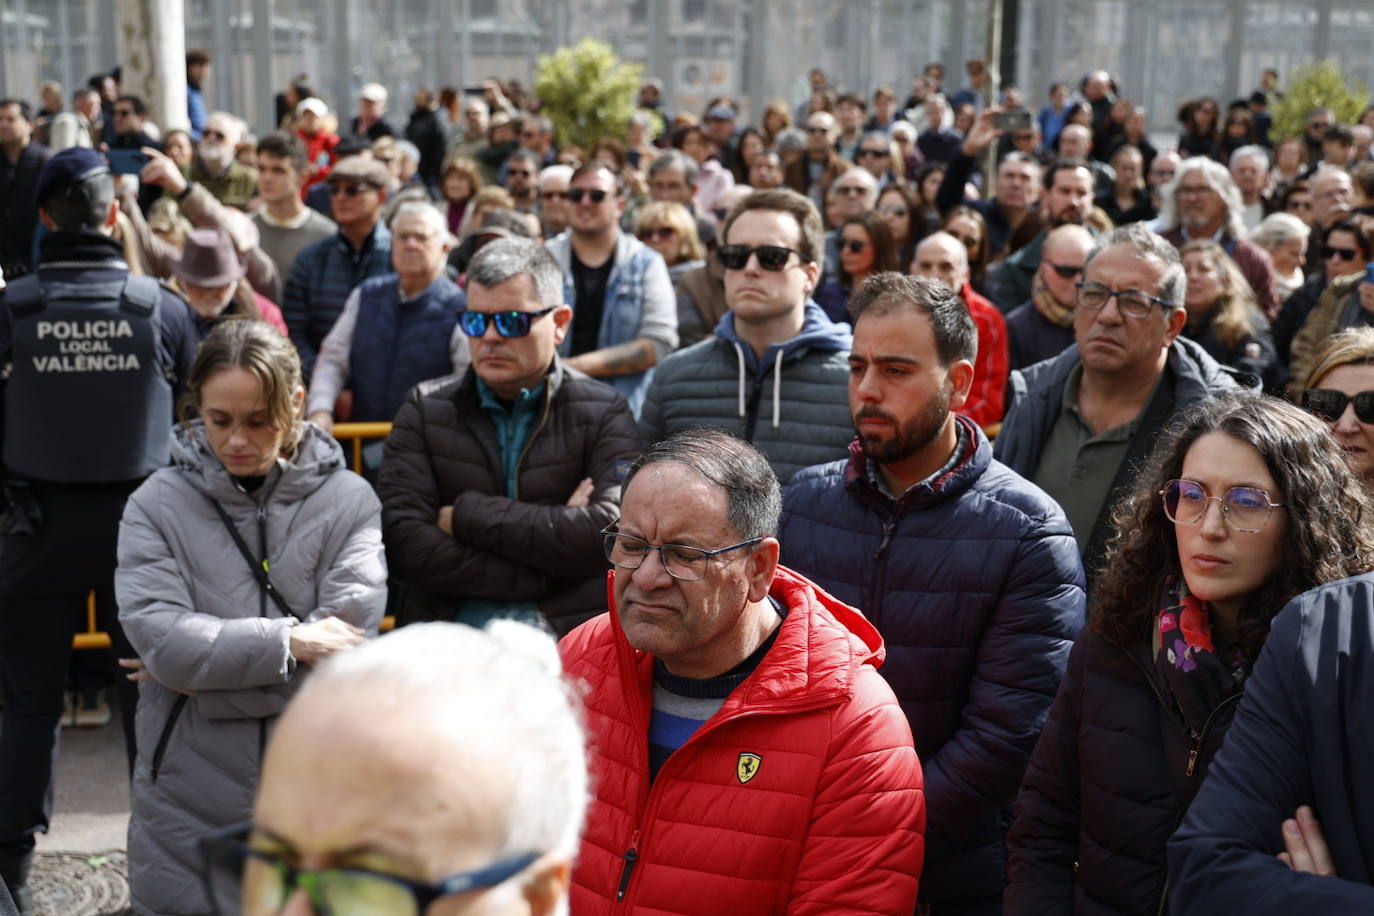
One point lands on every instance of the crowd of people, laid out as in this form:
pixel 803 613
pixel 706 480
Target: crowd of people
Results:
pixel 862 460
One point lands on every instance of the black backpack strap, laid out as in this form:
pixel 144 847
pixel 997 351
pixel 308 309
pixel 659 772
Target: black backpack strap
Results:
pixel 257 567
pixel 140 295
pixel 24 296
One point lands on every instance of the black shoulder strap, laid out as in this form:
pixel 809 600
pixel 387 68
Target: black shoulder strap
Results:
pixel 258 568
pixel 140 295
pixel 24 296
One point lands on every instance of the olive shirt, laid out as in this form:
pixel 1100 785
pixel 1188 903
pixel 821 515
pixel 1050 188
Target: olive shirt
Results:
pixel 1077 466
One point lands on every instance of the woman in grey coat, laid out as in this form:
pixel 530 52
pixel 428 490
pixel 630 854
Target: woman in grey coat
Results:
pixel 256 502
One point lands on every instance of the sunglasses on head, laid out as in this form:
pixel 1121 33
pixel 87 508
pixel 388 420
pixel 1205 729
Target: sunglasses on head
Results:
pixel 508 324
pixel 595 194
pixel 348 190
pixel 1067 271
pixel 771 257
pixel 1329 404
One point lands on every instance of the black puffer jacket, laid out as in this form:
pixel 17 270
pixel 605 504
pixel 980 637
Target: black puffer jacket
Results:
pixel 443 451
pixel 1110 779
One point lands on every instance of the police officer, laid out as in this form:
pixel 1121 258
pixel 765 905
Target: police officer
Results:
pixel 94 358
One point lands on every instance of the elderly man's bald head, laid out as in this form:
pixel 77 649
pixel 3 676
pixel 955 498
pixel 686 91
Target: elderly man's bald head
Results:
pixel 941 256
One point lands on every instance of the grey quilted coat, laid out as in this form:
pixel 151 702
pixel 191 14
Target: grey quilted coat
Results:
pixel 198 618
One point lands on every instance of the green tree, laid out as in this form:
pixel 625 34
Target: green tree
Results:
pixel 1319 85
pixel 587 91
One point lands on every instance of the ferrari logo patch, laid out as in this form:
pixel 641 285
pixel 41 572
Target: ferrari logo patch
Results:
pixel 748 767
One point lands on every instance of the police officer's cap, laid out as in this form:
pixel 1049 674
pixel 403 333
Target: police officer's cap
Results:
pixel 69 167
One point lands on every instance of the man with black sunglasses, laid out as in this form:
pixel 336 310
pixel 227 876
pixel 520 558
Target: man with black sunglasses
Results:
pixel 624 311
pixel 776 370
pixel 1042 326
pixel 496 484
pixel 325 273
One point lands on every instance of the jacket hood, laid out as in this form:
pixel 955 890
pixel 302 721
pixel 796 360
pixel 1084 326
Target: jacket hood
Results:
pixel 821 645
pixel 818 332
pixel 975 459
pixel 317 456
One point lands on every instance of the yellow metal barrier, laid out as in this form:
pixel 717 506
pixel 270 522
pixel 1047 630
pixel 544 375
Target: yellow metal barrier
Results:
pixel 353 433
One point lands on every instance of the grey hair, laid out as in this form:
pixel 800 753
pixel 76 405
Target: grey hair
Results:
pixel 1277 228
pixel 1219 180
pixel 501 259
pixel 865 177
pixel 676 159
pixel 502 690
pixel 752 492
pixel 409 150
pixel 240 125
pixel 789 140
pixel 425 211
pixel 905 128
pixel 558 170
pixel 1251 149
pixel 524 154
pixel 1150 246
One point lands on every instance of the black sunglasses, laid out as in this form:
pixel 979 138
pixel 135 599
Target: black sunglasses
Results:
pixel 1346 254
pixel 508 324
pixel 214 135
pixel 871 153
pixel 1067 271
pixel 771 257
pixel 1329 404
pixel 348 190
pixel 657 232
pixel 854 245
pixel 596 194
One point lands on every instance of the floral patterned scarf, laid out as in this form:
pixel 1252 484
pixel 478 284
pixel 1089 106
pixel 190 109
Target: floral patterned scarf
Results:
pixel 1196 668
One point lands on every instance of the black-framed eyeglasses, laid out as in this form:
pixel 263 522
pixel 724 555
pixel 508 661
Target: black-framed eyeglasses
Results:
pixel 508 324
pixel 1245 509
pixel 1067 271
pixel 595 194
pixel 348 190
pixel 686 564
pixel 1345 254
pixel 1132 302
pixel 256 882
pixel 1329 404
pixel 771 257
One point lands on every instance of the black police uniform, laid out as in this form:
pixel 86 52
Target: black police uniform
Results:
pixel 96 357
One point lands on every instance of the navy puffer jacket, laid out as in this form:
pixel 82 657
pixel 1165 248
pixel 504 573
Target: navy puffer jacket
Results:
pixel 974 582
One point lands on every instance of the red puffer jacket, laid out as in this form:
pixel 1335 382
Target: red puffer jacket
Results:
pixel 802 794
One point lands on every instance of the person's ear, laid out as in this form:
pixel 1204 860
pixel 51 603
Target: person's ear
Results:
pixel 547 888
pixel 762 567
pixel 297 401
pixel 959 377
pixel 1175 320
pixel 813 276
pixel 112 215
pixel 562 320
pixel 47 220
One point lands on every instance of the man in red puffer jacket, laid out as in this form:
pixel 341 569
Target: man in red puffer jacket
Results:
pixel 746 756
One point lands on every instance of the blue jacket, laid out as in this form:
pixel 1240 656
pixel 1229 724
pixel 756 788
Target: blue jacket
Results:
pixel 320 281
pixel 397 345
pixel 640 302
pixel 974 583
pixel 1303 735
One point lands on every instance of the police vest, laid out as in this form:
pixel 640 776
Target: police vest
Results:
pixel 88 399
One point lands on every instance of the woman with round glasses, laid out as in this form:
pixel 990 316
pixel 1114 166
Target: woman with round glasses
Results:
pixel 866 248
pixel 254 557
pixel 1244 504
pixel 1222 315
pixel 1340 390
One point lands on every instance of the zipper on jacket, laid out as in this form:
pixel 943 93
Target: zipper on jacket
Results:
pixel 631 855
pixel 1205 730
pixel 875 603
pixel 751 411
pixel 166 735
pixel 529 440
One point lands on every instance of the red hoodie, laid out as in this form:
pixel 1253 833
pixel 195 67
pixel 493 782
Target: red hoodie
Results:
pixel 802 794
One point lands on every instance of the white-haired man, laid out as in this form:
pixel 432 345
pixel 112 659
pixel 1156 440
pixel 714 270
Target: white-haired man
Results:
pixel 553 198
pixel 395 330
pixel 1250 171
pixel 371 123
pixel 215 167
pixel 466 797
pixel 1204 203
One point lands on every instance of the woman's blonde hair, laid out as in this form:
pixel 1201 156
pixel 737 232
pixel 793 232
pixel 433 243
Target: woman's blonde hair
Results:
pixel 1232 321
pixel 260 349
pixel 674 216
pixel 463 165
pixel 1351 347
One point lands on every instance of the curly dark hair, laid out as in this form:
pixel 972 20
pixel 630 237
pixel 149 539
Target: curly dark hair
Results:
pixel 1328 537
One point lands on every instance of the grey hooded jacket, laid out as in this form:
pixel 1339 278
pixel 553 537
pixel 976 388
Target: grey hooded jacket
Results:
pixel 197 616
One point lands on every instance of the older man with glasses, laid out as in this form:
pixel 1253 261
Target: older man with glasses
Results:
pixel 324 274
pixel 1079 424
pixel 747 757
pixel 495 484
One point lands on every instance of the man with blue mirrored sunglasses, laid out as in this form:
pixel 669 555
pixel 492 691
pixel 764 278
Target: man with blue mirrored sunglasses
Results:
pixel 497 482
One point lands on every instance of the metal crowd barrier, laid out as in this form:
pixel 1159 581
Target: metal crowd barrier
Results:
pixel 350 435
